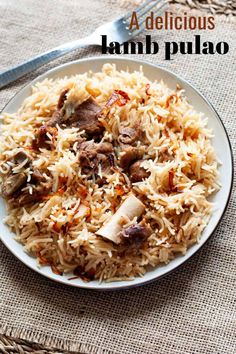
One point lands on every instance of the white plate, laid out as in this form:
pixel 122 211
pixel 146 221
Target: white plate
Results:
pixel 220 142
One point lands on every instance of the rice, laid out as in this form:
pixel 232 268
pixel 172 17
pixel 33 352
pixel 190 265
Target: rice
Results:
pixel 178 150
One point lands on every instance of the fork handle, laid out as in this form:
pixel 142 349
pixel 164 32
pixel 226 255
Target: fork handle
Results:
pixel 32 64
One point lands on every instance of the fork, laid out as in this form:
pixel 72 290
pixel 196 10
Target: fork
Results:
pixel 117 30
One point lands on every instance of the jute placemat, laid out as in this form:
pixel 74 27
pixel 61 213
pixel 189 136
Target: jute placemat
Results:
pixel 189 311
pixel 225 8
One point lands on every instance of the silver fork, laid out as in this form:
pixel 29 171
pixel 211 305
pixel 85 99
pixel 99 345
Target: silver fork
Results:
pixel 117 30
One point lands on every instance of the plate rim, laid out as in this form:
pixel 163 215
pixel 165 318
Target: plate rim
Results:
pixel 101 286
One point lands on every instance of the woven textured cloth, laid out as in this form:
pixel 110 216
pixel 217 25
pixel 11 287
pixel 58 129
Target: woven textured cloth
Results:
pixel 191 310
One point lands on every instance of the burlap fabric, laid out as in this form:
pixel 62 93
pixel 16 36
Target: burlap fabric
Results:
pixel 190 311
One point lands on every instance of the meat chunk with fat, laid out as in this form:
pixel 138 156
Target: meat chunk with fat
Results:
pixel 41 139
pixel 88 157
pixel 57 119
pixel 13 184
pixel 129 154
pixel 136 234
pixel 40 189
pixel 62 98
pixel 21 157
pixel 128 135
pixel 105 148
pixel 37 177
pixel 138 173
pixel 92 155
pixel 83 116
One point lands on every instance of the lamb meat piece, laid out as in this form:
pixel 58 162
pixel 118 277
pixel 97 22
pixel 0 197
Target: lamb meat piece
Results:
pixel 57 118
pixel 91 155
pixel 136 234
pixel 13 184
pixel 129 154
pixel 41 189
pixel 100 181
pixel 62 98
pixel 104 161
pixel 105 148
pixel 26 198
pixel 88 155
pixel 37 177
pixel 41 139
pixel 128 135
pixel 84 116
pixel 138 173
pixel 20 157
pixel 92 149
pixel 139 231
pixel 88 164
pixel 44 188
